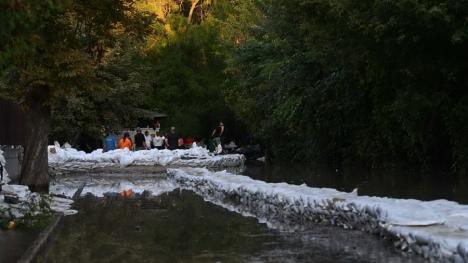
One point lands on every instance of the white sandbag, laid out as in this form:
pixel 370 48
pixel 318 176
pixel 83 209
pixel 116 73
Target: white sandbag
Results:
pixel 6 179
pixel 126 160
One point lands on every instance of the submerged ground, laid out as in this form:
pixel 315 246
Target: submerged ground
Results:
pixel 395 183
pixel 175 225
pixel 180 227
pixel 13 243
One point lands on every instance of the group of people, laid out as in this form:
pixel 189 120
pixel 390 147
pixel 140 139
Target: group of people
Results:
pixel 147 141
pixel 140 141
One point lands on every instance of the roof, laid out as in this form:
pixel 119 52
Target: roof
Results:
pixel 149 113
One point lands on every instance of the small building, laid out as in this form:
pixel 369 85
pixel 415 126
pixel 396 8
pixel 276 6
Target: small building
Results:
pixel 148 118
pixel 146 121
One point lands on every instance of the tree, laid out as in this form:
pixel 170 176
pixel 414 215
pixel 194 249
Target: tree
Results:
pixel 187 61
pixel 124 85
pixel 375 81
pixel 50 51
pixel 193 5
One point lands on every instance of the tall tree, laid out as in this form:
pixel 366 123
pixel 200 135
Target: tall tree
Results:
pixel 193 5
pixel 370 80
pixel 50 50
pixel 187 62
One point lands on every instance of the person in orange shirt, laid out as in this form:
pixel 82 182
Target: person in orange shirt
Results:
pixel 126 142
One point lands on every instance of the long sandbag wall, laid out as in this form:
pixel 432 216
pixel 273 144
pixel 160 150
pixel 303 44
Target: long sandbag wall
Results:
pixel 70 159
pixel 437 230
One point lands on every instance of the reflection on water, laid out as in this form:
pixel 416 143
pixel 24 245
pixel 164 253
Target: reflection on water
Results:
pixel 397 184
pixel 181 227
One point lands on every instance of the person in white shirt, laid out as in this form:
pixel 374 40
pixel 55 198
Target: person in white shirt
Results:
pixel 147 141
pixel 158 141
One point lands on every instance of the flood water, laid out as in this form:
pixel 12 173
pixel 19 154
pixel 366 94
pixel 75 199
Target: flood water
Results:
pixel 13 243
pixel 383 183
pixel 180 227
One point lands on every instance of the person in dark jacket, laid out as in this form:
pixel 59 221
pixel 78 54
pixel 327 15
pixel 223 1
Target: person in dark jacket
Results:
pixel 172 139
pixel 139 140
pixel 218 134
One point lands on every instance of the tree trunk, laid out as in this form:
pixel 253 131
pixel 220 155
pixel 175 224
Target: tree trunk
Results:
pixel 192 9
pixel 34 170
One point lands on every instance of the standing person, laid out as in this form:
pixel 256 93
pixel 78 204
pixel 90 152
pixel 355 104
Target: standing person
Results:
pixel 148 140
pixel 156 125
pixel 180 143
pixel 110 142
pixel 172 139
pixel 189 142
pixel 158 141
pixel 139 140
pixel 152 139
pixel 126 142
pixel 218 134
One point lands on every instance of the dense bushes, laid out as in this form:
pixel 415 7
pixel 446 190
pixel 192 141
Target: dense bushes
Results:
pixel 370 80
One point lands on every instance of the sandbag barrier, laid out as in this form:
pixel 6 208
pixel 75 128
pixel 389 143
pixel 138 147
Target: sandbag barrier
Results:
pixel 69 159
pixel 24 203
pixel 288 206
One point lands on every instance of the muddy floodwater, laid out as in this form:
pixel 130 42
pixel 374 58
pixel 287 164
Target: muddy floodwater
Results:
pixel 13 243
pixel 395 183
pixel 180 227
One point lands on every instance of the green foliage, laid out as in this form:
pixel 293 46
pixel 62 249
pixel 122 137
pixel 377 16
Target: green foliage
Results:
pixel 187 70
pixel 76 58
pixel 93 62
pixel 371 80
pixel 121 84
pixel 315 80
pixel 63 45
